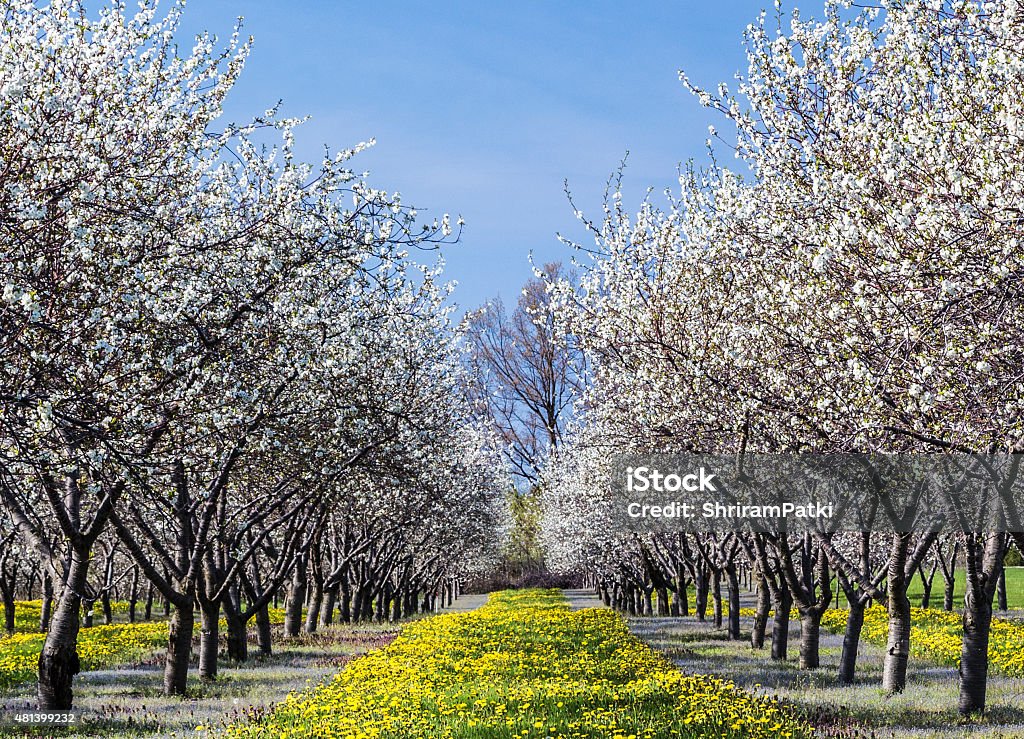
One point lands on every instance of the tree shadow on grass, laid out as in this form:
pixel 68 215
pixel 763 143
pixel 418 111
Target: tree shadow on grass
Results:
pixel 928 707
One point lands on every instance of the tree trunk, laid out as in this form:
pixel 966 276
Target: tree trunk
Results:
pixel 764 605
pixel 984 564
pixel 179 648
pixel 133 595
pixel 810 632
pixel 1001 590
pixel 851 641
pixel 682 596
pixel 734 602
pixel 701 597
pixel 293 603
pixel 345 614
pixel 108 612
pixel 663 601
pixel 357 605
pixel 947 595
pixel 716 598
pixel 209 640
pixel 58 661
pixel 367 605
pixel 46 610
pixel 897 655
pixel 316 599
pixel 780 626
pixel 237 637
pixel 974 653
pixel 330 601
pixel 264 632
pixel 8 599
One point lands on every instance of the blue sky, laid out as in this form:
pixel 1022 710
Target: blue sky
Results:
pixel 484 108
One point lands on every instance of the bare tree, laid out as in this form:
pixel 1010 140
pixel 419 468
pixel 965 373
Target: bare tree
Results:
pixel 526 374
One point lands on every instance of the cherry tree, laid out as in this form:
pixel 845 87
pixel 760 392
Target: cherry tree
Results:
pixel 856 275
pixel 167 286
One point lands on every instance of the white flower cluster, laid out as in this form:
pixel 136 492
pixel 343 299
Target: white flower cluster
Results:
pixel 858 289
pixel 176 294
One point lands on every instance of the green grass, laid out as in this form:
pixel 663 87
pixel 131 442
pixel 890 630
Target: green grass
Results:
pixel 927 709
pixel 524 665
pixel 129 701
pixel 1014 589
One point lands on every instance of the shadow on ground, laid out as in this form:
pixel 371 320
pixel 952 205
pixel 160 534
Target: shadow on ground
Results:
pixel 129 701
pixel 926 710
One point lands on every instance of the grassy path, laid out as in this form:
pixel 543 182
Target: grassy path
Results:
pixel 580 599
pixel 523 666
pixel 467 602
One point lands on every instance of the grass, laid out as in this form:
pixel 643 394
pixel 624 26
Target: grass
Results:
pixel 552 672
pixel 938 636
pixel 99 647
pixel 26 615
pixel 925 710
pixel 1014 589
pixel 129 702
pixel 522 666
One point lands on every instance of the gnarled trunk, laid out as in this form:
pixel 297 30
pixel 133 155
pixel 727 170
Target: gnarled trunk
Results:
pixel 851 641
pixel 179 648
pixel 734 602
pixel 897 654
pixel 330 601
pixel 977 620
pixel 58 661
pixel 46 610
pixel 209 640
pixel 761 612
pixel 780 626
pixel 264 632
pixel 984 564
pixel 810 632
